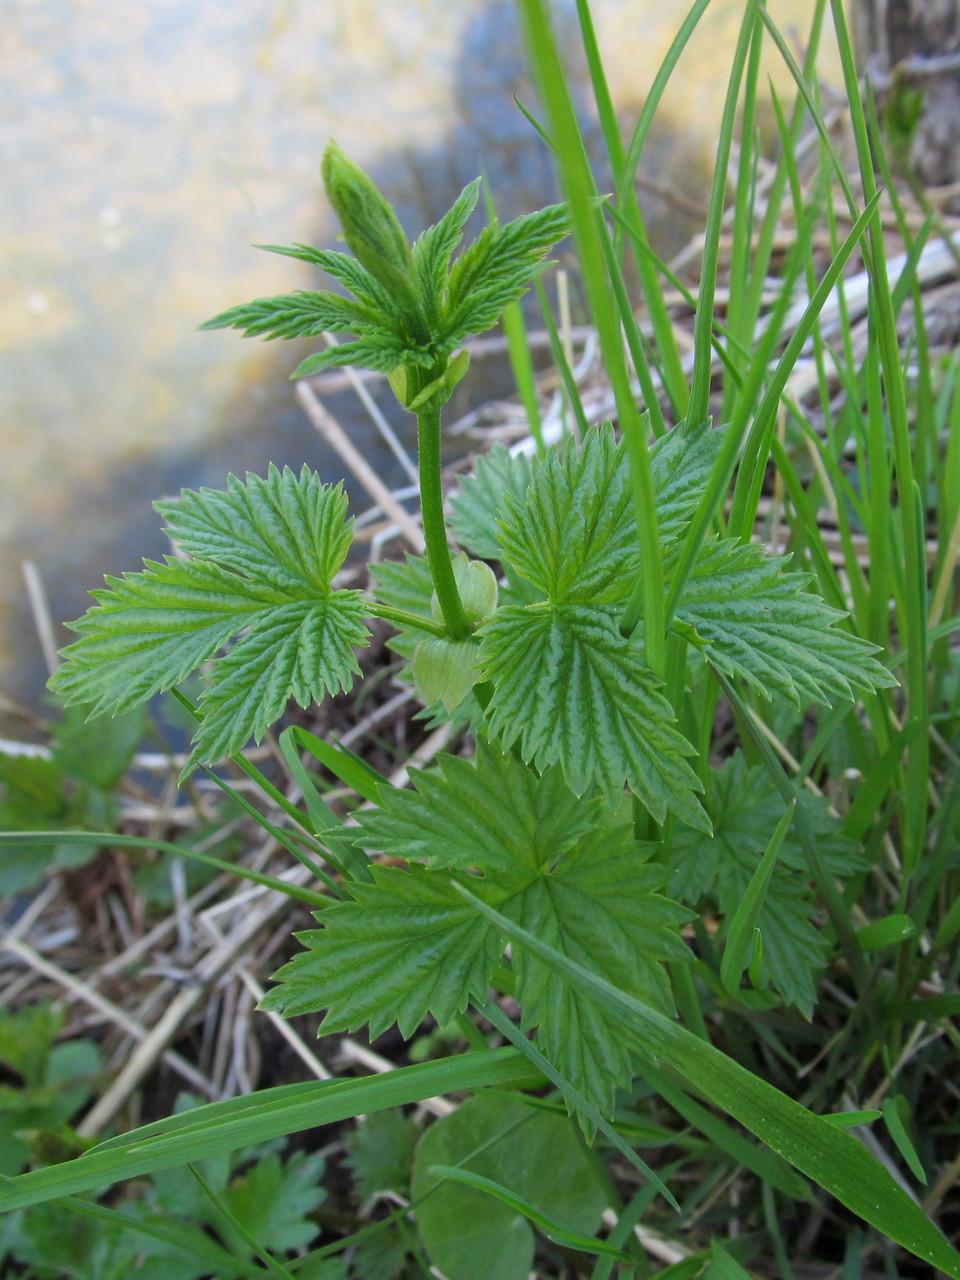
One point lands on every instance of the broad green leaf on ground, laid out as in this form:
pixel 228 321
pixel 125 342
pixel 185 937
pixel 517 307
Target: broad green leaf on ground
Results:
pixel 265 555
pixel 761 623
pixel 533 1153
pixel 568 870
pixel 745 807
pixel 569 689
pixel 480 503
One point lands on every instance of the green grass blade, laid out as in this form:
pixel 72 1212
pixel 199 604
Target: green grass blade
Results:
pixel 740 937
pixel 554 1231
pixel 350 860
pixel 272 1113
pixel 892 1107
pixel 764 1163
pixel 623 170
pixel 343 764
pixel 518 348
pixel 831 1158
pixel 674 378
pixel 562 363
pixel 765 418
pixel 699 407
pixel 579 188
pixel 282 838
pixel 180 851
pixel 571 1094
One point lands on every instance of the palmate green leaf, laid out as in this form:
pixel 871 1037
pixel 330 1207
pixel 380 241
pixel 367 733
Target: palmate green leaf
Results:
pixel 480 503
pixel 567 870
pixel 600 906
pixel 434 247
pixel 265 554
pixel 571 534
pixel 411 307
pixel 496 269
pixel 569 689
pixel 404 946
pixel 761 623
pixel 745 807
pixel 507 820
pixel 296 315
pixel 567 686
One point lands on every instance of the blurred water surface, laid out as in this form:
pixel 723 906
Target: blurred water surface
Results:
pixel 144 147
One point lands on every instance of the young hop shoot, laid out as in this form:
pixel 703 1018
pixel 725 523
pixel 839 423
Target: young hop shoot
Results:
pixel 410 312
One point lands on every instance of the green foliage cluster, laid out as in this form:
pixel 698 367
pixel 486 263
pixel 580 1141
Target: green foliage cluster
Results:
pixel 74 785
pixel 593 857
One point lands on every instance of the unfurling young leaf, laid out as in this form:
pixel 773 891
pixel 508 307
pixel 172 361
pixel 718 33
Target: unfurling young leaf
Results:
pixel 412 309
pixel 258 564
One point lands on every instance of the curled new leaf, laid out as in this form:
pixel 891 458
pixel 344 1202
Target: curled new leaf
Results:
pixel 412 310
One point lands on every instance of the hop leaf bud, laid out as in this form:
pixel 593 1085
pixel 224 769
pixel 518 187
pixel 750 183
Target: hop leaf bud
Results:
pixel 370 226
pixel 445 669
pixel 477 584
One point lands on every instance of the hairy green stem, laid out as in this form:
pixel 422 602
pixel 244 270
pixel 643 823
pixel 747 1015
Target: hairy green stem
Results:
pixel 404 618
pixel 434 525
